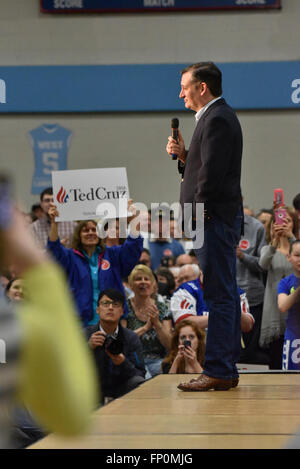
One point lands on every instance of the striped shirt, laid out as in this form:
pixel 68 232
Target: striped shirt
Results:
pixel 41 229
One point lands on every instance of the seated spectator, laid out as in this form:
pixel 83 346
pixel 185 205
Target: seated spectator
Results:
pixel 189 272
pixel 175 272
pixel 183 259
pixel 187 349
pixel 264 216
pixel 193 256
pixel 91 267
pixel 41 227
pixel 149 318
pixel 289 302
pixel 161 244
pixel 187 302
pixel 14 289
pixel 273 260
pixel 117 351
pixel 166 282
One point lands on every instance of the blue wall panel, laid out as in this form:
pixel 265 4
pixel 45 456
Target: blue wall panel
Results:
pixel 127 88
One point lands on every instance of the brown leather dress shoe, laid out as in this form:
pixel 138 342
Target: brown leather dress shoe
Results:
pixel 205 383
pixel 235 382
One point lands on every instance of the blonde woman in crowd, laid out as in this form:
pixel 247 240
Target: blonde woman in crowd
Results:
pixel 149 318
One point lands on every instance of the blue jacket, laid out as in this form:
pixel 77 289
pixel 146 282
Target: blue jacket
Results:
pixel 115 263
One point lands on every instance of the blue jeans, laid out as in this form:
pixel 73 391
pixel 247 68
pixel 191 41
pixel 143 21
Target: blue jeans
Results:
pixel 152 366
pixel 217 259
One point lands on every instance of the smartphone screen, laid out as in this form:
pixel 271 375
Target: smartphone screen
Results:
pixel 280 215
pixel 187 343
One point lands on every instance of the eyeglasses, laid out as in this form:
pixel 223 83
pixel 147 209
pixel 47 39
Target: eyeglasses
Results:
pixel 106 304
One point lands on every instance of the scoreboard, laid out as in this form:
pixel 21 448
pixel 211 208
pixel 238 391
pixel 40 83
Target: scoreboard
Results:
pixel 119 6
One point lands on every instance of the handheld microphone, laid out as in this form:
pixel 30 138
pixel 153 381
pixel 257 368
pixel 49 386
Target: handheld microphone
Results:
pixel 174 127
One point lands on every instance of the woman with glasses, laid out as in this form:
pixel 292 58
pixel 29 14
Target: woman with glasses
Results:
pixel 92 267
pixel 117 350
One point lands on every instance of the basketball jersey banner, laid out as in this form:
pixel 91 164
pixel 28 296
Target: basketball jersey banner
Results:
pixel 119 6
pixel 50 143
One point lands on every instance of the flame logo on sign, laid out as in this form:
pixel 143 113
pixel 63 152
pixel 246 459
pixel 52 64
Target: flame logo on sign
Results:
pixel 62 196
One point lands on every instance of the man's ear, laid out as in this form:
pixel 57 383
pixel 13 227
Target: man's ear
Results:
pixel 203 88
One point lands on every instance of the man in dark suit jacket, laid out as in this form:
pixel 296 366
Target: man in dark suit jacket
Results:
pixel 117 350
pixel 211 172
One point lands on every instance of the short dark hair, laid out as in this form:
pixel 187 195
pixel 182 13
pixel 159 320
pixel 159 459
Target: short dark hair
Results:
pixel 113 294
pixel 207 72
pixel 47 191
pixel 296 241
pixel 35 207
pixel 296 202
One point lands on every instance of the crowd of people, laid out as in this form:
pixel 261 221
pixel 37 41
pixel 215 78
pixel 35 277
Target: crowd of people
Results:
pixel 140 303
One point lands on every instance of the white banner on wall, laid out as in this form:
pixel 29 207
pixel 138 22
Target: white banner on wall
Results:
pixel 86 194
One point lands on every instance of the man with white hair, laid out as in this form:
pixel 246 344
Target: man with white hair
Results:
pixel 187 301
pixel 189 272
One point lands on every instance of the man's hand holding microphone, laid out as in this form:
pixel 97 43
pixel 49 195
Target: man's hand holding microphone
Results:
pixel 175 146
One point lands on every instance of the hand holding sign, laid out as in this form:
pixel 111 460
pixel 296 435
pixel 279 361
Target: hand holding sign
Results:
pixel 53 213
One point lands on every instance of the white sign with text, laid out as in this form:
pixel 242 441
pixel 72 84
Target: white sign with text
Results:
pixel 85 194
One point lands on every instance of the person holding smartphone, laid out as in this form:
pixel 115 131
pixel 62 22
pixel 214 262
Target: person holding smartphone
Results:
pixel 273 260
pixel 187 349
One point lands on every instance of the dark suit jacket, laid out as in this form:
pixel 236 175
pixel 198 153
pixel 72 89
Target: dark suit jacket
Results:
pixel 212 170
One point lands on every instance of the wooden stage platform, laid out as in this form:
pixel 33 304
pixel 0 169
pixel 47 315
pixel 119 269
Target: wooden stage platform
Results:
pixel 263 412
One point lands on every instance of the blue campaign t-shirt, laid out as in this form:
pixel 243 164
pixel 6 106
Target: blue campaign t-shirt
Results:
pixel 94 268
pixel 160 249
pixel 288 285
